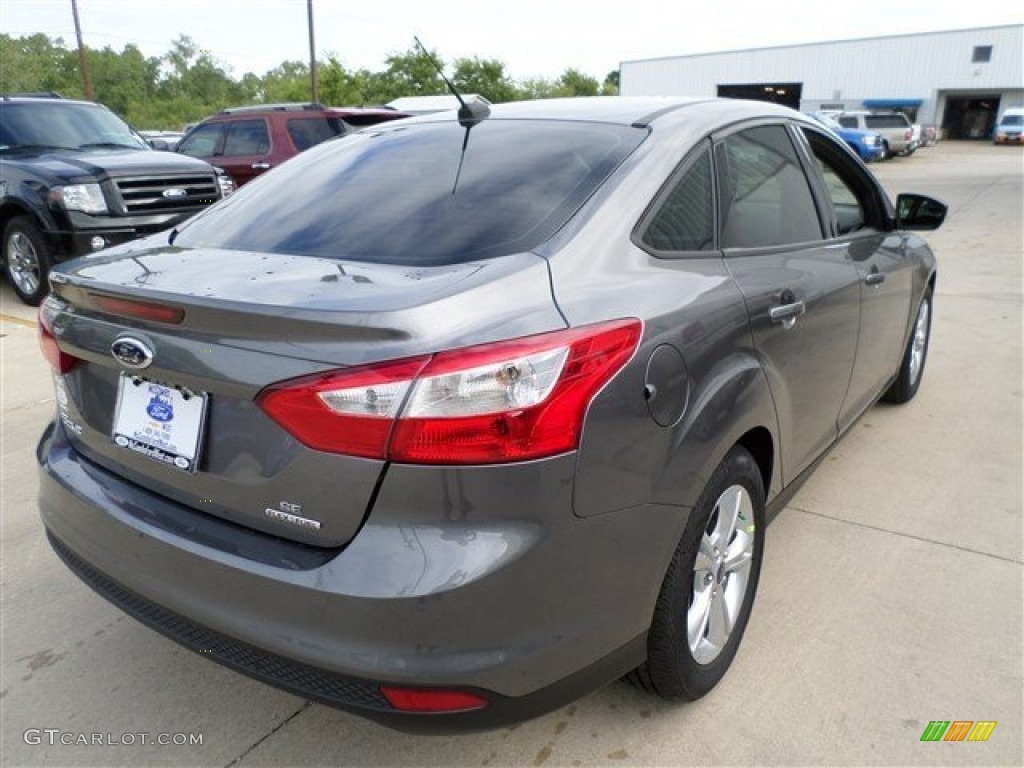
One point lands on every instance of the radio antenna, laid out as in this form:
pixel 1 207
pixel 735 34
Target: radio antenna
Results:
pixel 469 114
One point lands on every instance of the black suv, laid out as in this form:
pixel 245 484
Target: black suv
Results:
pixel 75 178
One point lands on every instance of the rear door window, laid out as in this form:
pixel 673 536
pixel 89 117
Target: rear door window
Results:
pixel 847 122
pixel 765 196
pixel 307 132
pixel 246 137
pixel 431 193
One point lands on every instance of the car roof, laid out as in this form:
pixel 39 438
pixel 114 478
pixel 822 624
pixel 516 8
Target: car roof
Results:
pixel 48 100
pixel 298 109
pixel 342 111
pixel 633 111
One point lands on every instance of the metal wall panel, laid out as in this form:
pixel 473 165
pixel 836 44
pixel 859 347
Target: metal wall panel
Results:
pixel 898 67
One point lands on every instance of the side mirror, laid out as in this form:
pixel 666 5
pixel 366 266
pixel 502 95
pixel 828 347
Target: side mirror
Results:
pixel 919 212
pixel 159 144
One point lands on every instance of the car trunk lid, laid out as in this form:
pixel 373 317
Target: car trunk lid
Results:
pixel 246 321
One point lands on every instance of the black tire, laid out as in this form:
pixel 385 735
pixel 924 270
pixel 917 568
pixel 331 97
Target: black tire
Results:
pixel 26 259
pixel 886 154
pixel 908 380
pixel 672 670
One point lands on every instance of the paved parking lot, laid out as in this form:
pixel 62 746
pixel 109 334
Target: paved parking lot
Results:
pixel 891 595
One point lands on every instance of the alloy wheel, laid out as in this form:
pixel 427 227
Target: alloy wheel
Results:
pixel 22 262
pixel 920 342
pixel 721 571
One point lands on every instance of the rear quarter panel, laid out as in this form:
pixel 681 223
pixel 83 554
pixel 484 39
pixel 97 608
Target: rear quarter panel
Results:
pixel 626 459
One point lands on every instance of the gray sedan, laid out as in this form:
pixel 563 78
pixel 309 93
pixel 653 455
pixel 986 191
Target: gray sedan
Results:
pixel 453 420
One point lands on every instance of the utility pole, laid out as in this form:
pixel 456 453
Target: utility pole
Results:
pixel 312 51
pixel 82 63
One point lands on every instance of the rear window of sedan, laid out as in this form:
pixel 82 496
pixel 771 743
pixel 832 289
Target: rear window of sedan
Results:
pixel 430 193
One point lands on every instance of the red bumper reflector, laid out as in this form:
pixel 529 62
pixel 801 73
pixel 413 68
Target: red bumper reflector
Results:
pixel 62 362
pixel 412 700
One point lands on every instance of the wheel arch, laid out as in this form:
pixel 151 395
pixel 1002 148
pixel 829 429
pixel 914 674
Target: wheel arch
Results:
pixel 15 211
pixel 734 408
pixel 10 209
pixel 925 279
pixel 760 444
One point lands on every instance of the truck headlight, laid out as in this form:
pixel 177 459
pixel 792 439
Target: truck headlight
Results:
pixel 871 141
pixel 87 198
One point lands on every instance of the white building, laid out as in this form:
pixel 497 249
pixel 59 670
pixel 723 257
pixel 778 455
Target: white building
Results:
pixel 960 80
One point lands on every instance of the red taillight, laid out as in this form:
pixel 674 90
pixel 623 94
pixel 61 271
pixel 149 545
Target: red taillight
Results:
pixel 412 700
pixel 506 401
pixel 350 412
pixel 62 362
pixel 591 355
pixel 143 310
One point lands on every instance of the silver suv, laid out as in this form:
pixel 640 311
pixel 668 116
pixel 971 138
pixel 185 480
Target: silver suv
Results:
pixel 897 132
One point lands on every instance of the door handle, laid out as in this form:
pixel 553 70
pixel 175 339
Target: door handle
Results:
pixel 786 314
pixel 261 166
pixel 875 278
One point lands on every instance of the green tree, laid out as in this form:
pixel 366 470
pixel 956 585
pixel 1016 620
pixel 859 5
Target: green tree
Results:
pixel 124 81
pixel 486 77
pixel 187 83
pixel 407 74
pixel 251 86
pixel 535 88
pixel 196 80
pixel 610 87
pixel 289 81
pixel 37 63
pixel 339 87
pixel 575 83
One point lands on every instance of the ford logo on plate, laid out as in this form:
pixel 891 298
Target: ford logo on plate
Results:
pixel 175 192
pixel 131 352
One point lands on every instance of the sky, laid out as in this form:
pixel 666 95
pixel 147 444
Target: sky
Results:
pixel 534 38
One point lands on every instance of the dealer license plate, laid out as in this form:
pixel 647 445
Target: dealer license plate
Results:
pixel 160 422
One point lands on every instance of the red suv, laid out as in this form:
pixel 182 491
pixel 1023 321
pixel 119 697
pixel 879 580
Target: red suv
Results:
pixel 247 141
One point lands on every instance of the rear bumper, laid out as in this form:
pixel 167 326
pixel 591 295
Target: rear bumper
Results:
pixel 352 694
pixel 439 589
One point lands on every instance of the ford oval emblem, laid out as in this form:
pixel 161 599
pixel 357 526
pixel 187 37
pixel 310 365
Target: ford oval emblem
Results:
pixel 175 192
pixel 131 352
